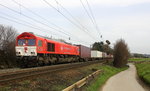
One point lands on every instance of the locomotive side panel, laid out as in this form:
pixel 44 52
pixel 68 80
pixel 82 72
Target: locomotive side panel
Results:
pixel 69 49
pixel 61 48
pixel 40 44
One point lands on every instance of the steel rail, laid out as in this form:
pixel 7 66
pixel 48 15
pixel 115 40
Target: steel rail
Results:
pixel 7 77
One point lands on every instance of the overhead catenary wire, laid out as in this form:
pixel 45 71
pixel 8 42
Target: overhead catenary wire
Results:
pixel 25 24
pixel 91 16
pixel 30 18
pixel 41 17
pixel 24 15
pixel 30 26
pixel 97 28
pixel 73 16
pixel 44 19
pixel 68 19
pixel 87 11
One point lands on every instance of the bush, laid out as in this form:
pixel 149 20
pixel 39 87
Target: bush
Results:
pixel 121 53
pixel 143 70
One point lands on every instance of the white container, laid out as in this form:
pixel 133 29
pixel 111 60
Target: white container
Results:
pixel 96 54
pixel 104 55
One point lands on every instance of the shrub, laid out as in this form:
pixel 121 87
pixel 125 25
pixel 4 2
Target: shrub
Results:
pixel 121 53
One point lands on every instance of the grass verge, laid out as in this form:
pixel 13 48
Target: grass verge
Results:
pixel 55 81
pixel 139 59
pixel 143 70
pixel 108 71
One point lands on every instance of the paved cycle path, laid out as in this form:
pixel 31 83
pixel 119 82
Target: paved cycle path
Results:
pixel 124 81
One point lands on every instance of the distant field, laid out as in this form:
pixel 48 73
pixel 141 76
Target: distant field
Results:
pixel 143 70
pixel 139 59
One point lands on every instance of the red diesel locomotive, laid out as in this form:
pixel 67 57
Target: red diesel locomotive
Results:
pixel 32 50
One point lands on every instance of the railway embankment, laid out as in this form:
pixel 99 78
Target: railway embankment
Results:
pixel 53 81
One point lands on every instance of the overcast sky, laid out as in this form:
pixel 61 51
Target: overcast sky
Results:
pixel 126 19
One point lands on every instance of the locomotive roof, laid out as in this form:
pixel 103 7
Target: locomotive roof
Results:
pixel 35 35
pixel 58 40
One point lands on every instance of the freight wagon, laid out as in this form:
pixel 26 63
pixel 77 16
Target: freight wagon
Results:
pixel 84 53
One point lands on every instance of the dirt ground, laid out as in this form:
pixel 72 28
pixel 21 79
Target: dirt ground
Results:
pixel 124 81
pixel 53 81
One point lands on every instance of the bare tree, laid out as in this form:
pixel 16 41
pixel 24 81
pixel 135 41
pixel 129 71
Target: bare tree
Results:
pixel 1 35
pixel 7 45
pixel 121 53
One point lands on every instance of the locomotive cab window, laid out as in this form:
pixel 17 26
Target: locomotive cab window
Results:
pixel 31 42
pixel 26 42
pixel 40 43
pixel 21 42
pixel 51 47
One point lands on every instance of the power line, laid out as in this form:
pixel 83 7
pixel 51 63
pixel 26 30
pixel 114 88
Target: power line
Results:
pixel 67 18
pixel 87 11
pixel 30 18
pixel 73 16
pixel 28 24
pixel 91 16
pixel 97 28
pixel 40 17
pixel 70 14
pixel 37 28
pixel 24 16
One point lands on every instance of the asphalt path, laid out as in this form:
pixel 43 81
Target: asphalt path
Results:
pixel 124 81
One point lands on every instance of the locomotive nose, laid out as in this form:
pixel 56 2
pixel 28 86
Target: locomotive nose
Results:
pixel 25 49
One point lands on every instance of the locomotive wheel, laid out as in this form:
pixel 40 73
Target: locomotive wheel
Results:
pixel 40 61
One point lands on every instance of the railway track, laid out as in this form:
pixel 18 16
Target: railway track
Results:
pixel 22 74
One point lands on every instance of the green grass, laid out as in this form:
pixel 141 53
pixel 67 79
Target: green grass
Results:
pixel 139 59
pixel 143 70
pixel 108 71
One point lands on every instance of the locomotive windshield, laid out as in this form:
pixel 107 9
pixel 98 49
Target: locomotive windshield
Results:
pixel 27 42
pixel 21 42
pixel 31 42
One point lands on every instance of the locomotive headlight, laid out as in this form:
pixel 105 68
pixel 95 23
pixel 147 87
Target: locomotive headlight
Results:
pixel 18 53
pixel 32 52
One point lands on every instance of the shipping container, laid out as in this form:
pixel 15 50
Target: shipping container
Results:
pixel 84 52
pixel 110 56
pixel 104 55
pixel 96 54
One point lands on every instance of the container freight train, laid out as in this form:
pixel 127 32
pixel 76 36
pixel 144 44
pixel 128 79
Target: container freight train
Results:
pixel 32 50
